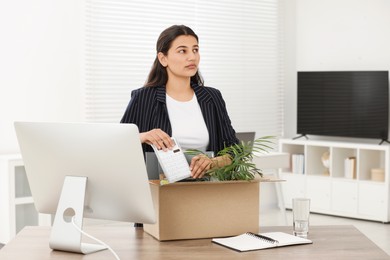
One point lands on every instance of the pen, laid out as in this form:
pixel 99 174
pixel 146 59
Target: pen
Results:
pixel 262 237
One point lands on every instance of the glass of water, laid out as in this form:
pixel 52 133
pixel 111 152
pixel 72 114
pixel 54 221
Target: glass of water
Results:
pixel 301 212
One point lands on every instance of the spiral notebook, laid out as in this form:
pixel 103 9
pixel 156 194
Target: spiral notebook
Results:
pixel 251 241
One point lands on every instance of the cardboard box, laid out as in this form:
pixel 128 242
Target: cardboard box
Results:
pixel 189 210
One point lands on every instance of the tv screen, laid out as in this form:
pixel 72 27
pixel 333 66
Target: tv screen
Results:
pixel 343 103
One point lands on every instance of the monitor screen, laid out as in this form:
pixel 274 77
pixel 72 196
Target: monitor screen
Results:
pixel 109 155
pixel 343 103
pixel 246 136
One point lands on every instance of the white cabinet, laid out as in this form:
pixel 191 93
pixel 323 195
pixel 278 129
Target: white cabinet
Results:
pixel 373 200
pixel 17 208
pixel 344 197
pixel 345 187
pixel 294 186
pixel 318 189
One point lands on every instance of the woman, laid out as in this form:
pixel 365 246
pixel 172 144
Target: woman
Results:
pixel 174 102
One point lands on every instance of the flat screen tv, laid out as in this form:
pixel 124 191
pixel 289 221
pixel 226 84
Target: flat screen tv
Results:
pixel 343 103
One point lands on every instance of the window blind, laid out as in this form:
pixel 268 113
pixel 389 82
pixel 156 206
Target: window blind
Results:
pixel 240 47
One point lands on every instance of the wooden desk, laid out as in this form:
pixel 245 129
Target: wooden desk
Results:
pixel 329 242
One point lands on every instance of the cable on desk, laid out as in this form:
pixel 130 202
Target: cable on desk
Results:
pixel 97 240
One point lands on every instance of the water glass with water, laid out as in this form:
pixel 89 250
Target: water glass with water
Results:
pixel 301 212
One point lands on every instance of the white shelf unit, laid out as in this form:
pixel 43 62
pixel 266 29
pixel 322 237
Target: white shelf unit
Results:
pixel 330 191
pixel 17 208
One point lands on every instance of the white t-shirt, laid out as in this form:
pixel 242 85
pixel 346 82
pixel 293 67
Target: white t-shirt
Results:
pixel 188 125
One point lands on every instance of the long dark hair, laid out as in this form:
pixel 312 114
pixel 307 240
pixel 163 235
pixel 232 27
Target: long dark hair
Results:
pixel 158 75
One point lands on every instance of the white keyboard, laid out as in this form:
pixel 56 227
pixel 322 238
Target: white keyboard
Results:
pixel 173 163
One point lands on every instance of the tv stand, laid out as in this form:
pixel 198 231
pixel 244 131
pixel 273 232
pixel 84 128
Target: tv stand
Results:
pixel 384 141
pixel 299 136
pixel 333 185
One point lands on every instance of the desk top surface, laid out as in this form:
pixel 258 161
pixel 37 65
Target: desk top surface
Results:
pixel 329 242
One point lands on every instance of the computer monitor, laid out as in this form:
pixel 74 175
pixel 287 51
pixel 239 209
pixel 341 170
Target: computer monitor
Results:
pixel 104 160
pixel 246 136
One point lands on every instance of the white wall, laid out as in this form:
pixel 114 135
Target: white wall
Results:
pixel 333 35
pixel 39 64
pixel 40 54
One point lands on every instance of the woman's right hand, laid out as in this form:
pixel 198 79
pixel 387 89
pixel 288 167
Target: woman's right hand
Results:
pixel 158 138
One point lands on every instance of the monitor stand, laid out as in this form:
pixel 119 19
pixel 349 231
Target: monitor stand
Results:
pixel 64 236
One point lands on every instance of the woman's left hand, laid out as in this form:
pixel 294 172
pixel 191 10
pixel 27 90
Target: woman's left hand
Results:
pixel 200 164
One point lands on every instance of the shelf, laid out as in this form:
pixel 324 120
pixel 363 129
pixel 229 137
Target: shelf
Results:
pixel 345 179
pixel 24 200
pixel 374 160
pixel 17 208
pixel 336 187
pixel 339 155
pixel 292 149
pixel 314 165
pixel 25 215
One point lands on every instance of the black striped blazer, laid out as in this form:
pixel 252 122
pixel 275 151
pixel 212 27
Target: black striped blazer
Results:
pixel 147 109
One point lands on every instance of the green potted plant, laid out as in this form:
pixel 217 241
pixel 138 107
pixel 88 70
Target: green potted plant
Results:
pixel 241 155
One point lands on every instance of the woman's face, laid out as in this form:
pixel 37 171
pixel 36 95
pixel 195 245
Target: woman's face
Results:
pixel 183 57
